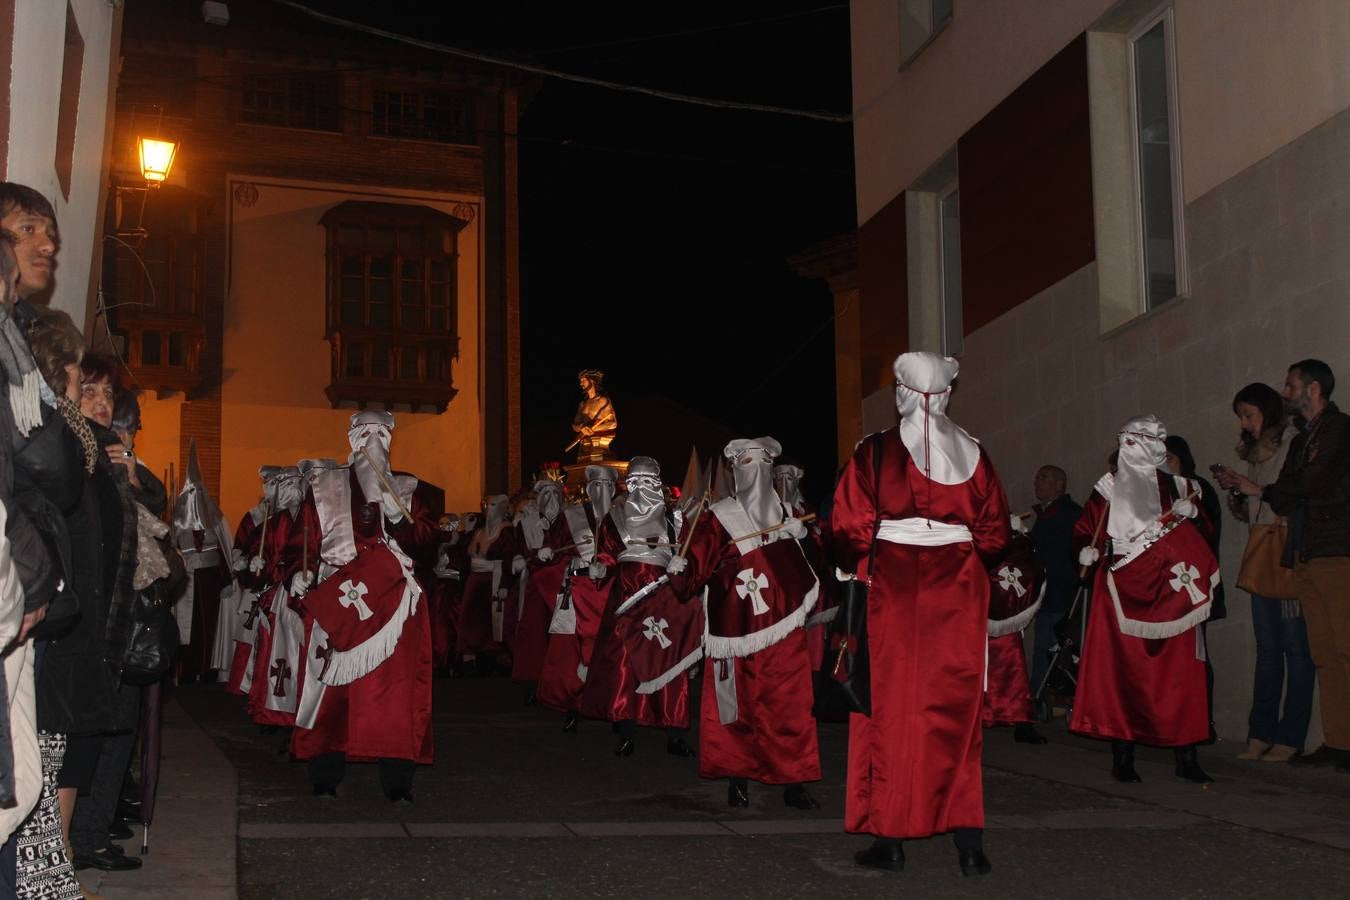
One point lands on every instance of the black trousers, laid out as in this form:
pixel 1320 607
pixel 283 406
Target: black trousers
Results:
pixel 395 774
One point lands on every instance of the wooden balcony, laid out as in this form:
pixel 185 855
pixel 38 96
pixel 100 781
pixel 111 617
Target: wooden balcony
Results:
pixel 393 369
pixel 163 350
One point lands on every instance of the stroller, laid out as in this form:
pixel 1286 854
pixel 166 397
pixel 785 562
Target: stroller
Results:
pixel 1061 678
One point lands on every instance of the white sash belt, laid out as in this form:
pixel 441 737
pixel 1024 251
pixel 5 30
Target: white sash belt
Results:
pixel 483 565
pixel 922 532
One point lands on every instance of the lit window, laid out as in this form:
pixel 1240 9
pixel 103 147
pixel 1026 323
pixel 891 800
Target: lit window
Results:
pixel 1156 160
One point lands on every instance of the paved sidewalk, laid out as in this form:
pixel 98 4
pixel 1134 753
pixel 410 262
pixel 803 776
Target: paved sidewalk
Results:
pixel 193 840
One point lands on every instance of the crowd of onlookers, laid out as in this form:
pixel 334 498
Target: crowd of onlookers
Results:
pixel 1292 492
pixel 83 545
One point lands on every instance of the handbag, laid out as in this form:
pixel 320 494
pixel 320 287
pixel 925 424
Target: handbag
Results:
pixel 1261 571
pixel 149 640
pixel 851 671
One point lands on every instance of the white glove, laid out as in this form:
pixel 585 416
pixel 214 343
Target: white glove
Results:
pixel 300 583
pixel 255 565
pixel 1088 556
pixel 597 570
pixel 1185 509
pixel 501 593
pixel 678 564
pixel 795 527
pixel 237 563
pixel 545 554
pixel 517 565
pixel 1018 524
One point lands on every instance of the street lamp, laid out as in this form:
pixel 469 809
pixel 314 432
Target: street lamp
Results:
pixel 156 159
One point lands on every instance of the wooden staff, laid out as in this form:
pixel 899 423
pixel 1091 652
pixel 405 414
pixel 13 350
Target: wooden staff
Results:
pixel 384 480
pixel 1096 535
pixel 809 517
pixel 262 537
pixel 698 513
pixel 304 548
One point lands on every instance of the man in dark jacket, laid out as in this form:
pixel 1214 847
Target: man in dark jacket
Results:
pixel 1052 536
pixel 1313 491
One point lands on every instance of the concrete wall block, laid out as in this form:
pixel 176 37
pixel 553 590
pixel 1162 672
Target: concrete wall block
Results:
pixel 1282 261
pixel 1205 238
pixel 1054 372
pixel 1319 323
pixel 1227 283
pixel 1313 168
pixel 1206 368
pixel 1251 205
pixel 1034 322
pixel 1329 233
pixel 1074 302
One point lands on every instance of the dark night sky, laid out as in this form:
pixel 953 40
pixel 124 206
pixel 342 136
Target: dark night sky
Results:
pixel 654 234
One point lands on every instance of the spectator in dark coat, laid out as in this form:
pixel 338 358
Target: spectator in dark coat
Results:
pixel 1052 536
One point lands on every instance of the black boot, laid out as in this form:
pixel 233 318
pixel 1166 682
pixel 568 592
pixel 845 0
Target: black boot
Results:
pixel 676 746
pixel 1026 733
pixel 738 793
pixel 798 797
pixel 970 852
pixel 570 723
pixel 885 853
pixel 1188 766
pixel 1122 762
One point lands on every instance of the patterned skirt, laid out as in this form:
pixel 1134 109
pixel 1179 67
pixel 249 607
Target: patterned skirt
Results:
pixel 43 870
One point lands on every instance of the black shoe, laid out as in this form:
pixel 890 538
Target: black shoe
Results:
pixel 120 831
pixel 738 794
pixel 625 747
pixel 1322 756
pixel 400 795
pixel 974 862
pixel 530 699
pixel 1188 766
pixel 1026 733
pixel 570 723
pixel 677 747
pixel 325 791
pixel 798 797
pixel 1122 763
pixel 109 859
pixel 888 855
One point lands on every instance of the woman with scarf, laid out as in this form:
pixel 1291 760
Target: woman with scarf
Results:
pixel 936 512
pixel 79 691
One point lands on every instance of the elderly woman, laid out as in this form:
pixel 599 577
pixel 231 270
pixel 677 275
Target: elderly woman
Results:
pixel 79 692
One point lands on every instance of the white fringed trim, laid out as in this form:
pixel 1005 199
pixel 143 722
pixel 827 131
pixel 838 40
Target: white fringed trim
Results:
pixel 1160 630
pixel 25 401
pixel 824 617
pixel 651 687
pixel 582 671
pixel 1001 627
pixel 719 647
pixel 345 666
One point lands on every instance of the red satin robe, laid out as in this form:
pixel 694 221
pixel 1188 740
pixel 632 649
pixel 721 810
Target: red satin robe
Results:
pixel 773 740
pixel 445 602
pixel 385 714
pixel 611 685
pixel 541 594
pixel 475 622
pixel 568 655
pixel 914 766
pixel 1133 688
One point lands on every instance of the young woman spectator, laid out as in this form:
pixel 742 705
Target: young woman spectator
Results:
pixel 1281 633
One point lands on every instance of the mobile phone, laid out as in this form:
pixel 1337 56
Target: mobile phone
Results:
pixel 1217 469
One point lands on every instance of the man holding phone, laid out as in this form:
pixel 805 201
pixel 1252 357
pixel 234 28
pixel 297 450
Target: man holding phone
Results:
pixel 1313 492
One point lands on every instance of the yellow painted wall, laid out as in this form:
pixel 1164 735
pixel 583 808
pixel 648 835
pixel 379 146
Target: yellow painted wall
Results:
pixel 276 360
pixel 157 443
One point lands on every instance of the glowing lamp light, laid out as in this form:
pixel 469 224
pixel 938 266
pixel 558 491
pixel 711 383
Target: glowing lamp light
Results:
pixel 156 158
